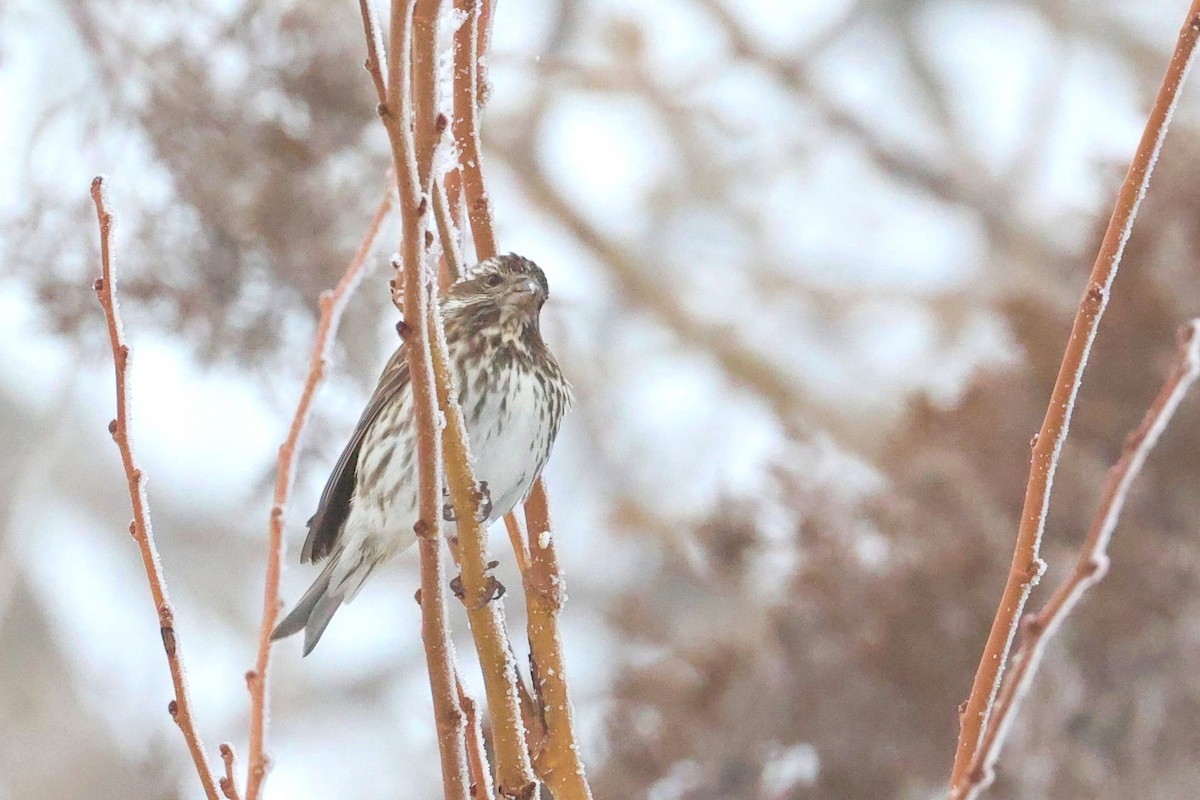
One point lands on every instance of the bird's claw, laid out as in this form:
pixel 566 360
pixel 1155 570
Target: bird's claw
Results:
pixel 483 504
pixel 493 589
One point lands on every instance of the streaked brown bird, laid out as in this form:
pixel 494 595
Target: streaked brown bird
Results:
pixel 513 397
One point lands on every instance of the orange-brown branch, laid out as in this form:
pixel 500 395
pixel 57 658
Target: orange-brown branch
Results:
pixel 468 54
pixel 557 763
pixel 181 707
pixel 1026 564
pixel 481 775
pixel 1092 564
pixel 332 304
pixel 228 782
pixel 412 293
pixel 514 773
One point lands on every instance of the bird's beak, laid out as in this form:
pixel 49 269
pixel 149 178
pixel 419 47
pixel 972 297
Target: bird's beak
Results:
pixel 529 290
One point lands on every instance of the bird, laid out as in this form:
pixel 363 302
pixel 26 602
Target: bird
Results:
pixel 513 397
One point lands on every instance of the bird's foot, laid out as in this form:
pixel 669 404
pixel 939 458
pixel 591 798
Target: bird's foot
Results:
pixel 483 504
pixel 493 589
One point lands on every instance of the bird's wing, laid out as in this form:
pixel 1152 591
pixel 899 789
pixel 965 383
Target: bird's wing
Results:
pixel 325 526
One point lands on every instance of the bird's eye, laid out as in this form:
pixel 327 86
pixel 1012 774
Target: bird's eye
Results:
pixel 493 281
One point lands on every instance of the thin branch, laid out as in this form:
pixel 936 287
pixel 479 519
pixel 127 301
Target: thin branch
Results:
pixel 448 234
pixel 1027 566
pixel 517 538
pixel 558 763
pixel 424 89
pixel 514 772
pixel 1038 629
pixel 229 782
pixel 332 304
pixel 415 302
pixel 556 760
pixel 481 776
pixel 181 707
pixel 375 58
pixel 465 124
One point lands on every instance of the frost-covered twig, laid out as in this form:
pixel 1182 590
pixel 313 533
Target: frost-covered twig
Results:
pixel 481 775
pixel 1037 629
pixel 514 772
pixel 557 762
pixel 556 758
pixel 412 290
pixel 228 782
pixel 332 303
pixel 181 707
pixel 1027 566
pixel 451 254
pixel 470 50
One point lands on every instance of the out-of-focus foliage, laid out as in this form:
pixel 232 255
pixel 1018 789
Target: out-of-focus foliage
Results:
pixel 813 266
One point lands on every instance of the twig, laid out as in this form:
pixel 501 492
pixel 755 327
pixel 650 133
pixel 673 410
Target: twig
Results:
pixel 229 782
pixel 375 58
pixel 396 112
pixel 514 772
pixel 1092 565
pixel 1026 565
pixel 465 125
pixel 481 776
pixel 446 231
pixel 517 538
pixel 558 763
pixel 423 73
pixel 332 304
pixel 181 707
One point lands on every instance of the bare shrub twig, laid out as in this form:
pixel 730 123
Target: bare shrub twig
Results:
pixel 1092 565
pixel 557 762
pixel 413 294
pixel 106 289
pixel 332 304
pixel 228 782
pixel 1027 566
pixel 481 775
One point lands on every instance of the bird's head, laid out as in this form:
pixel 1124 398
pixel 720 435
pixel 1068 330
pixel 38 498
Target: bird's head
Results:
pixel 505 292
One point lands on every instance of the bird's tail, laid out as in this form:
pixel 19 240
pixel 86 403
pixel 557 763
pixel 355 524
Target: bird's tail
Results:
pixel 315 609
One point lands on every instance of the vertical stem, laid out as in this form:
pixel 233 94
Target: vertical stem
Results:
pixel 332 305
pixel 410 140
pixel 1026 565
pixel 180 708
pixel 465 125
pixel 558 763
pixel 514 773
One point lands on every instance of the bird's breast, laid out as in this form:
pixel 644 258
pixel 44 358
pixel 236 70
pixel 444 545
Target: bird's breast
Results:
pixel 508 426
